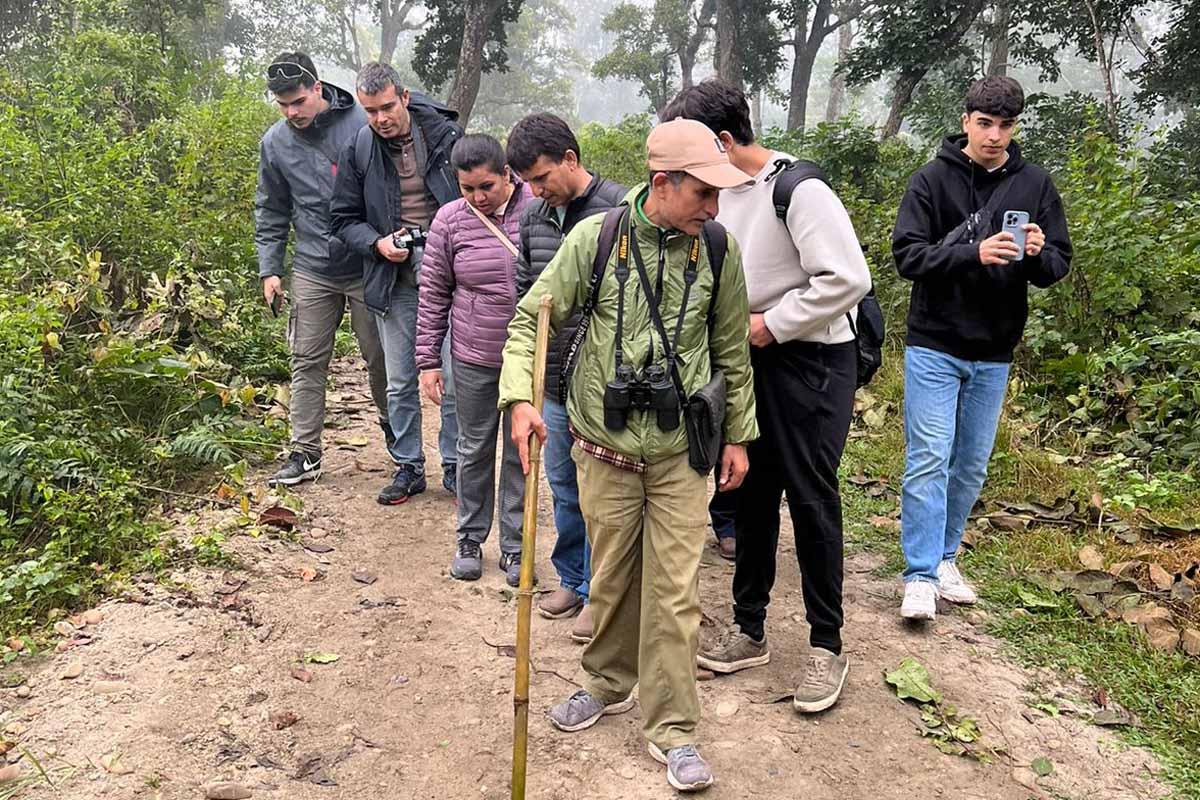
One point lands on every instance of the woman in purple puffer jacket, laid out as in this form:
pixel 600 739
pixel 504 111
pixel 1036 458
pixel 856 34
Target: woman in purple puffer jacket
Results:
pixel 468 285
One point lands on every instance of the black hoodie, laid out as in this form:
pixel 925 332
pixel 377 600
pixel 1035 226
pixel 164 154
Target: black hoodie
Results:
pixel 959 306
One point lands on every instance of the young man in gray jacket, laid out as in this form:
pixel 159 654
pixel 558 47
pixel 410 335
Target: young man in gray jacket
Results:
pixel 296 171
pixel 805 276
pixel 544 151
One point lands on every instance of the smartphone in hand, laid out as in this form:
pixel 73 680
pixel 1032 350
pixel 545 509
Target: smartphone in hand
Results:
pixel 1014 223
pixel 276 303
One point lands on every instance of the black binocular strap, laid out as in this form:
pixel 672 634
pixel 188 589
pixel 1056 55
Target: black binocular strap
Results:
pixel 669 347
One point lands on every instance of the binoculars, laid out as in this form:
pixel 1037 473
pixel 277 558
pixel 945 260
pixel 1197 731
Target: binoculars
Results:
pixel 651 391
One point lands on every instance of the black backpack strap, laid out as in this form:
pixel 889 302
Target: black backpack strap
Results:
pixel 364 148
pixel 787 176
pixel 604 248
pixel 716 240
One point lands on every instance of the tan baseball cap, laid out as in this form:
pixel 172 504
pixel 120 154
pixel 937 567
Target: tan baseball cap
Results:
pixel 685 145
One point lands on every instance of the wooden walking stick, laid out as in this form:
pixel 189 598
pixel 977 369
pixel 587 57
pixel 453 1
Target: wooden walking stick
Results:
pixel 528 551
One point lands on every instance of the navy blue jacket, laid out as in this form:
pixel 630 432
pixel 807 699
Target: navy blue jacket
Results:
pixel 367 190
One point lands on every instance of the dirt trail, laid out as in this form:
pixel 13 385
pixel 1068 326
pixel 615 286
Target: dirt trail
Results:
pixel 418 704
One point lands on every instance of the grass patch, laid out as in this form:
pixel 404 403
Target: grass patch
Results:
pixel 1163 690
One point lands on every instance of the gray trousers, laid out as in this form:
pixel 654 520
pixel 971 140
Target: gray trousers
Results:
pixel 478 424
pixel 318 304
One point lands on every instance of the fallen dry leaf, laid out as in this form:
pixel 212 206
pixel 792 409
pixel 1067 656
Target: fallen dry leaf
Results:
pixel 316 547
pixel 885 523
pixel 279 517
pixel 366 578
pixel 1161 634
pixel 1160 577
pixel 302 675
pixel 308 574
pixel 1090 557
pixel 16 644
pixel 1191 642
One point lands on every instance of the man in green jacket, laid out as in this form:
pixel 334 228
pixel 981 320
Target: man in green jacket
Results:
pixel 642 502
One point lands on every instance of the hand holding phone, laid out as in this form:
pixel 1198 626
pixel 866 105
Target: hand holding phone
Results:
pixel 1014 223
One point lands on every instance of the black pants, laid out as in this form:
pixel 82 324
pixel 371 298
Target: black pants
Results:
pixel 804 392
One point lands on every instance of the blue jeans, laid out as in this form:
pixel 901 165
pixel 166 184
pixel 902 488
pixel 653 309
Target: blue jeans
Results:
pixel 951 409
pixel 397 333
pixel 572 555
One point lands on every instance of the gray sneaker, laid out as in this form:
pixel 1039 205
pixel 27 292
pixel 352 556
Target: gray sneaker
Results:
pixel 468 561
pixel 686 770
pixel 583 710
pixel 824 677
pixel 733 651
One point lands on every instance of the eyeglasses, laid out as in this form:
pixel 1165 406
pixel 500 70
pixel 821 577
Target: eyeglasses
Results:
pixel 288 70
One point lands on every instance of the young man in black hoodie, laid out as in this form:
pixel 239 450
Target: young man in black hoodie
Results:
pixel 967 314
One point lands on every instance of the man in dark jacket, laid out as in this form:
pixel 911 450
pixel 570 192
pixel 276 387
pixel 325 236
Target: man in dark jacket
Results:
pixel 544 151
pixel 296 170
pixel 967 314
pixel 392 178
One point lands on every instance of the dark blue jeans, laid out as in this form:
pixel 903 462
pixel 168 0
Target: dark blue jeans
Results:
pixel 572 556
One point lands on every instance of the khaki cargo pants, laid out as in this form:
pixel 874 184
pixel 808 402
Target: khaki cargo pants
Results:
pixel 647 532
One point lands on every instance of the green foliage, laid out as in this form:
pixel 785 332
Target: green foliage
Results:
pixel 127 291
pixel 1053 125
pixel 1174 163
pixel 1173 73
pixel 617 152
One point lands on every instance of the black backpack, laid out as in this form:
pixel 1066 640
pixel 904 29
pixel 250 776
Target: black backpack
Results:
pixel 869 332
pixel 715 241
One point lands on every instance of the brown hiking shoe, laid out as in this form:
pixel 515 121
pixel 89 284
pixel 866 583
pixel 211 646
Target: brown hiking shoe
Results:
pixel 560 604
pixel 581 631
pixel 727 547
pixel 733 651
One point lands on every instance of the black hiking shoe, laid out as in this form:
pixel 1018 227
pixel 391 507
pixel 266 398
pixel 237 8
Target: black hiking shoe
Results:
pixel 406 483
pixel 450 478
pixel 468 561
pixel 510 564
pixel 299 468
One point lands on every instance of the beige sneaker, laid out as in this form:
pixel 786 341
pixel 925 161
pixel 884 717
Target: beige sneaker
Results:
pixel 581 630
pixel 733 651
pixel 560 604
pixel 824 677
pixel 952 587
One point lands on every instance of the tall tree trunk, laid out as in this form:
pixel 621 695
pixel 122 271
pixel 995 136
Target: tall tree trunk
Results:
pixel 393 20
pixel 998 60
pixel 477 20
pixel 944 42
pixel 687 53
pixel 837 87
pixel 806 42
pixel 756 104
pixel 902 91
pixel 1105 62
pixel 728 60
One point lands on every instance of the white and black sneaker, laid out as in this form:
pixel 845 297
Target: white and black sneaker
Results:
pixel 299 468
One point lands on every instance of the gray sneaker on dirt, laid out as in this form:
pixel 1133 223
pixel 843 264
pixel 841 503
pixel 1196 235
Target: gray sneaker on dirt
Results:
pixel 583 710
pixel 733 651
pixel 510 564
pixel 299 468
pixel 824 677
pixel 686 770
pixel 468 561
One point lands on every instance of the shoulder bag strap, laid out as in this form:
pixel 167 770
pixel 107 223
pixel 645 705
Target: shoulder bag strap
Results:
pixel 499 234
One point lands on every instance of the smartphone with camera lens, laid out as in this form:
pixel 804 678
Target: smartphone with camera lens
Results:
pixel 1014 223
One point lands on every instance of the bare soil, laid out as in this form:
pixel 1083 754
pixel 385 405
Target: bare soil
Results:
pixel 183 686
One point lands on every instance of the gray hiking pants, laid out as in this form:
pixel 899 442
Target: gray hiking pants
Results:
pixel 318 304
pixel 478 424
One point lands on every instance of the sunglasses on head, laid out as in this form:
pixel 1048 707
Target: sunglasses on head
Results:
pixel 287 70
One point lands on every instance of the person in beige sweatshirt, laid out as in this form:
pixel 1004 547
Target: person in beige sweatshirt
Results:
pixel 804 277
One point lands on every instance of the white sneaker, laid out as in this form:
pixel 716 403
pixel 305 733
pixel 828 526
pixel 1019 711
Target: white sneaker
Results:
pixel 920 600
pixel 952 587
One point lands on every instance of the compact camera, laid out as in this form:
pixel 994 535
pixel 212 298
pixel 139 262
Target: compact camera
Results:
pixel 412 238
pixel 651 391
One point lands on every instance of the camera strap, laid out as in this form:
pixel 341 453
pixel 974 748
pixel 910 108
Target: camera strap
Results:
pixel 621 272
pixel 689 278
